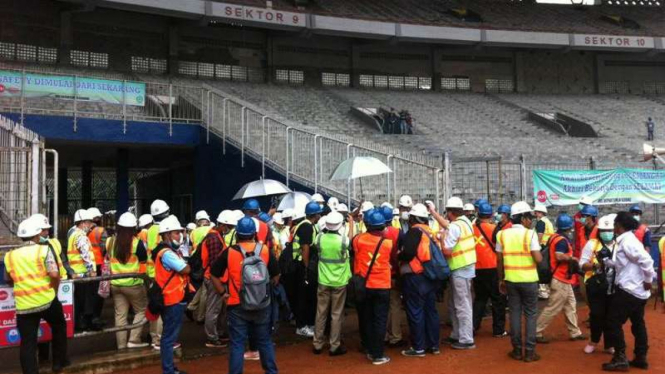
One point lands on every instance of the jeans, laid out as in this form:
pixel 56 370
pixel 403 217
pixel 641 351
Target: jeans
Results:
pixel 461 309
pixel 421 313
pixel 172 319
pixel 28 328
pixel 486 286
pixel 215 314
pixel 523 300
pixel 372 319
pixel 241 325
pixel 625 306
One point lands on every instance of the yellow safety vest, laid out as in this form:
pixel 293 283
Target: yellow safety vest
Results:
pixel 549 230
pixel 229 237
pixel 518 264
pixel 131 266
pixel 32 284
pixel 297 253
pixel 661 247
pixel 55 243
pixel 464 251
pixel 153 241
pixel 396 223
pixel 74 255
pixel 197 236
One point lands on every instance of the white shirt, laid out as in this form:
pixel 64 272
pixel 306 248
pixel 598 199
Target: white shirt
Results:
pixel 535 246
pixel 587 251
pixel 633 266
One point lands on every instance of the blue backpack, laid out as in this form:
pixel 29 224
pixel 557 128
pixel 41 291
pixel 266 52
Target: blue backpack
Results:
pixel 436 268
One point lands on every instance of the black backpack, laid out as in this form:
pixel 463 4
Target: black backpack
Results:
pixel 156 294
pixel 545 270
pixel 197 271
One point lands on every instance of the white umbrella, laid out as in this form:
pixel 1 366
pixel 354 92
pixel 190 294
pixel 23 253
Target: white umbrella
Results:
pixel 294 200
pixel 358 167
pixel 261 187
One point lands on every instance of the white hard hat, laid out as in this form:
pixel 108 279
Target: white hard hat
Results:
pixel 342 208
pixel 158 207
pixel 318 198
pixel 287 213
pixel 334 221
pixel 405 201
pixel 606 222
pixel 298 213
pixel 454 203
pixel 387 204
pixel 82 215
pixel 333 203
pixel 29 228
pixel 469 207
pixel 419 210
pixel 367 205
pixel 540 208
pixel 227 217
pixel 202 214
pixel 41 218
pixel 520 207
pixel 321 223
pixel 586 200
pixel 191 226
pixel 127 219
pixel 237 215
pixel 94 212
pixel 169 224
pixel 145 219
pixel 277 218
pixel 395 212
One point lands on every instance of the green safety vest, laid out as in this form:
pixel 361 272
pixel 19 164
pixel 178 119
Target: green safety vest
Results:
pixel 297 253
pixel 464 252
pixel 153 241
pixel 230 237
pixel 518 264
pixel 549 230
pixel 197 236
pixel 334 266
pixel 32 284
pixel 132 265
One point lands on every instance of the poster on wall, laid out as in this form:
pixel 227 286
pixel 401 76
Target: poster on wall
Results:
pixel 9 335
pixel 616 186
pixel 66 87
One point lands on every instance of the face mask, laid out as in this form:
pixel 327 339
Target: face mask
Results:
pixel 607 237
pixel 177 242
pixel 43 239
pixel 404 216
pixel 580 206
pixel 583 220
pixel 637 218
pixel 497 218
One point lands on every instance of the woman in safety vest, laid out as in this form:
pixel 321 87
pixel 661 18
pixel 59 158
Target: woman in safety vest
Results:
pixel 127 254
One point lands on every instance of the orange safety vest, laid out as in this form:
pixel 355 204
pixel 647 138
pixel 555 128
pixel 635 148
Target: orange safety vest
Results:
pixel 95 236
pixel 415 266
pixel 364 246
pixel 205 253
pixel 561 272
pixel 640 232
pixel 234 271
pixel 392 233
pixel 262 235
pixel 174 291
pixel 485 255
pixel 583 239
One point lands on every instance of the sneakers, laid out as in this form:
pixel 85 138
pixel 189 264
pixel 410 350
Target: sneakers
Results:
pixel 413 353
pixel 501 335
pixel 463 346
pixel 305 331
pixel 338 352
pixel 516 354
pixel 589 348
pixel 380 360
pixel 176 345
pixel 609 351
pixel 131 345
pixel 531 356
pixel 433 351
pixel 251 356
pixel 215 344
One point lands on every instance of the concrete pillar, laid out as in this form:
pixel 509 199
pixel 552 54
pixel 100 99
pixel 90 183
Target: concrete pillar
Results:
pixel 174 39
pixel 66 38
pixel 62 192
pixel 122 181
pixel 86 184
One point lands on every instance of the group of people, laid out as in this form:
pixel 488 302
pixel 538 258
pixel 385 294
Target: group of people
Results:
pixel 240 275
pixel 398 123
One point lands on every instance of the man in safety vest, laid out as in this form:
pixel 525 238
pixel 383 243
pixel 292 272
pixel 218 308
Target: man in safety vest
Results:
pixel 212 248
pixel 82 261
pixel 145 221
pixel 334 274
pixel 32 269
pixel 202 227
pixel 579 225
pixel 45 239
pixel 502 219
pixel 371 261
pixel 394 328
pixel 171 274
pixel 98 237
pixel 642 233
pixel 486 283
pixel 227 276
pixel 405 204
pixel 159 210
pixel 251 208
pixel 562 296
pixel 519 255
pixel 459 247
pixel 469 212
pixel 419 292
pixel 544 229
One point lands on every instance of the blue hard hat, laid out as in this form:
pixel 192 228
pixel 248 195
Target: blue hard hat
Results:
pixel 313 208
pixel 246 226
pixel 368 213
pixel 589 210
pixel 387 213
pixel 265 217
pixel 251 204
pixel 480 202
pixel 375 218
pixel 503 209
pixel 635 209
pixel 564 222
pixel 484 209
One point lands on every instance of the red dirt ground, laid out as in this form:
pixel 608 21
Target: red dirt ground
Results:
pixel 559 357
